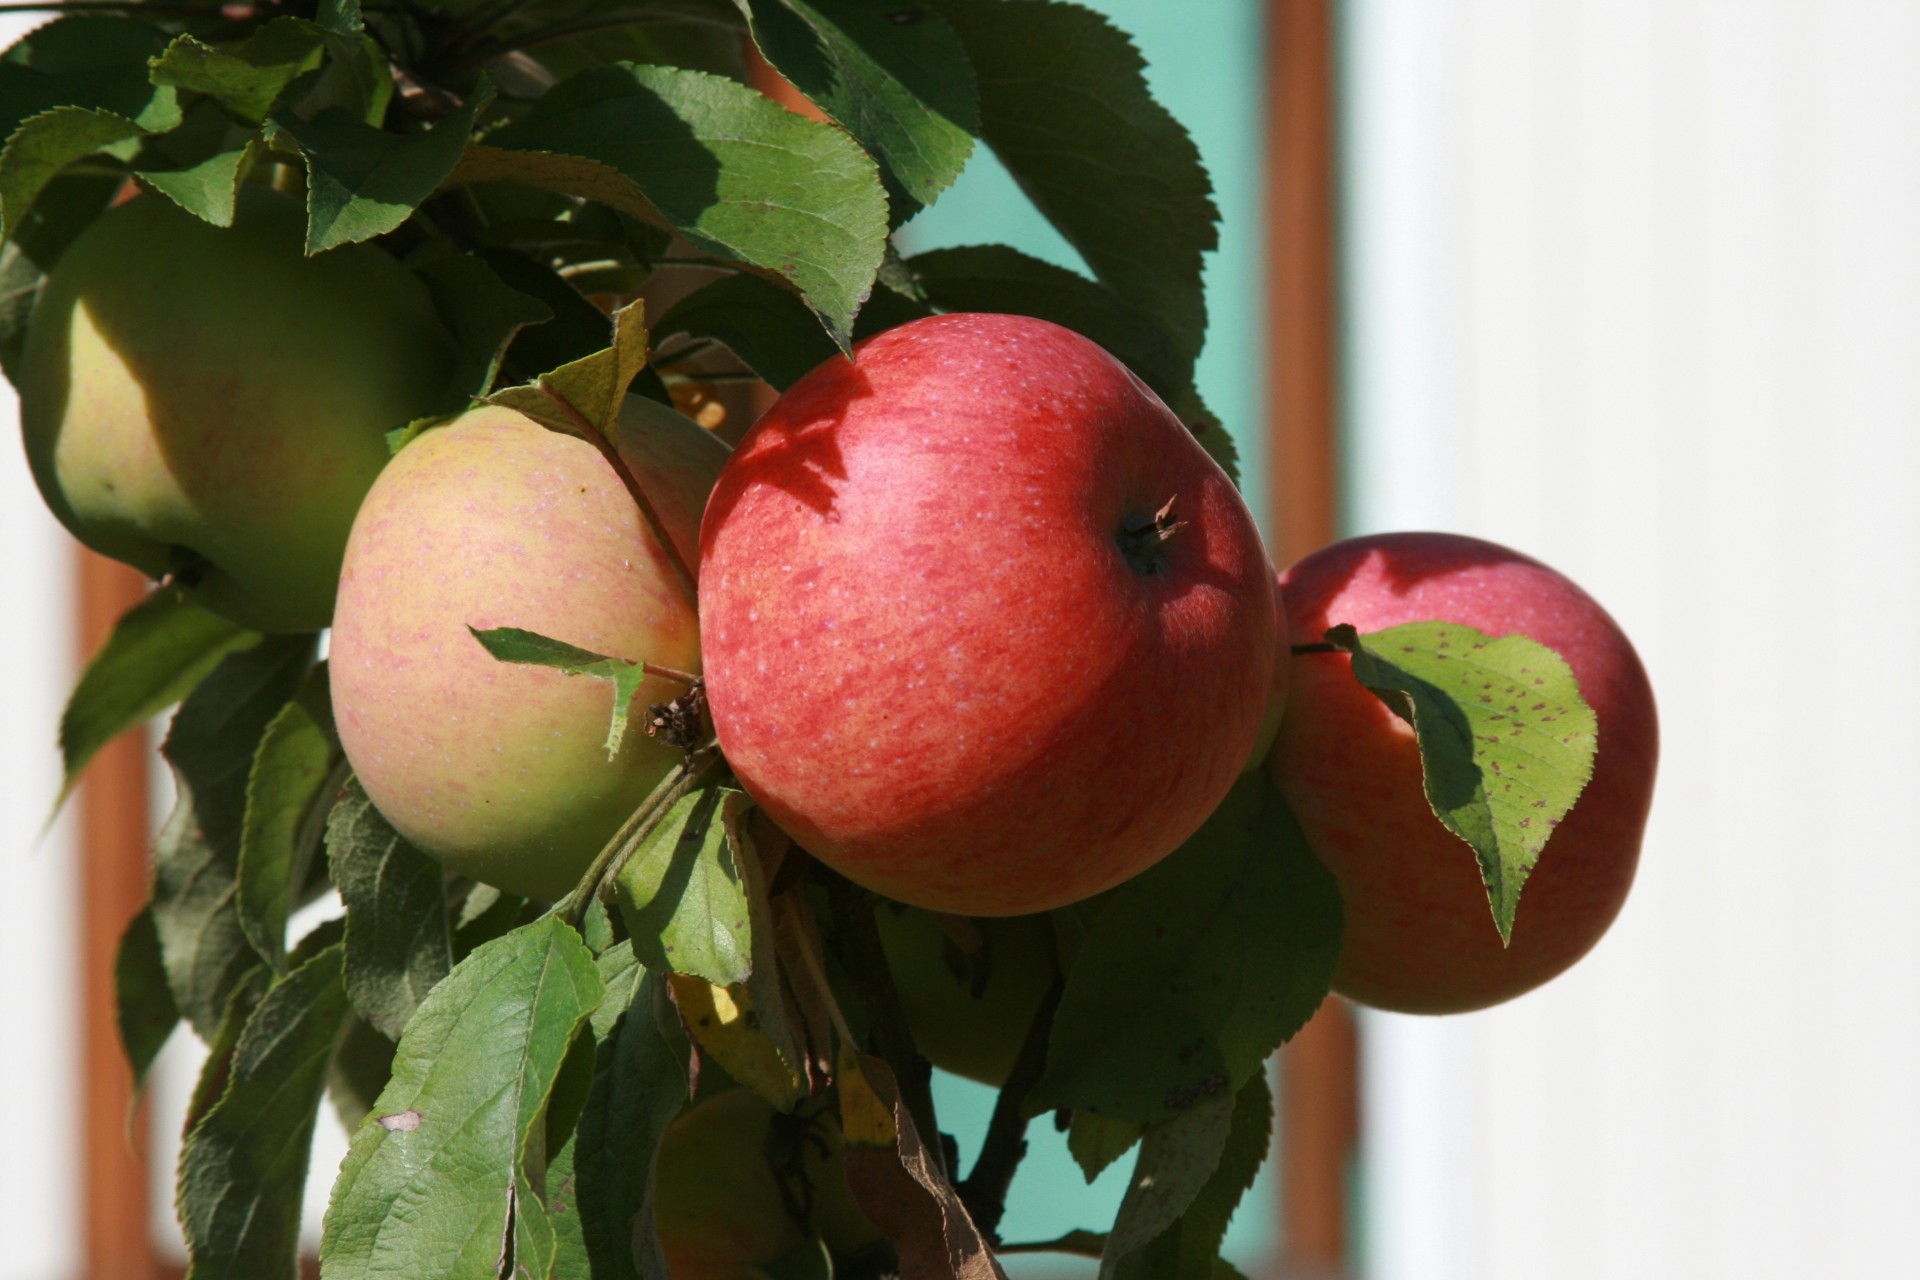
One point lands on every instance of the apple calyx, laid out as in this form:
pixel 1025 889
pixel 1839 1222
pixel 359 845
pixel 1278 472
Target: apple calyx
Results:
pixel 1143 542
pixel 681 723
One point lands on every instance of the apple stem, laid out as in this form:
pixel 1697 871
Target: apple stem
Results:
pixel 984 1192
pixel 1319 646
pixel 866 961
pixel 1143 542
pixel 598 439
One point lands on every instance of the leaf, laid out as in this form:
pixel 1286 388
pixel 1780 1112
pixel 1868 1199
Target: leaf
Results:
pixel 1188 1246
pixel 363 182
pixel 901 1190
pixel 577 327
pixel 683 895
pixel 483 314
pixel 287 801
pixel 247 78
pixel 433 1180
pixel 196 858
pixel 594 386
pixel 399 945
pixel 529 648
pixel 143 1003
pixel 1064 103
pixel 32 247
pixel 341 17
pixel 1096 1141
pixel 901 88
pixel 1193 972
pixel 1506 741
pixel 361 1067
pixel 738 176
pixel 244 1165
pixel 731 1028
pixel 208 189
pixel 764 325
pixel 640 1084
pixel 47 143
pixel 158 651
pixel 1176 1158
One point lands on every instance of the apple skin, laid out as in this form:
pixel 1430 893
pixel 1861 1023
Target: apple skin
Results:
pixel 212 389
pixel 1420 937
pixel 927 656
pixel 972 1033
pixel 498 770
pixel 718 1208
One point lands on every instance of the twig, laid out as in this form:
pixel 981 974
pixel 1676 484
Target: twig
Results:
pixel 984 1191
pixel 639 824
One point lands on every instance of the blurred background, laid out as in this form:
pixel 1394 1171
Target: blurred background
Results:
pixel 1632 286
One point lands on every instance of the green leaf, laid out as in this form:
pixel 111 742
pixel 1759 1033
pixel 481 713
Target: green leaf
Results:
pixel 594 387
pixel 640 1084
pixel 361 1067
pixel 158 651
pixel 341 17
pixel 196 857
pixel 244 1165
pixel 207 189
pixel 363 182
pixel 738 176
pixel 1096 1141
pixel 434 1179
pixel 767 327
pixel 245 78
pixel 1188 1246
pixel 902 89
pixel 1193 972
pixel 221 1045
pixel 1506 741
pixel 86 61
pixel 1064 103
pixel 482 312
pixel 577 328
pixel 684 895
pixel 511 644
pixel 287 802
pixel 40 148
pixel 399 944
pixel 143 1003
pixel 1176 1158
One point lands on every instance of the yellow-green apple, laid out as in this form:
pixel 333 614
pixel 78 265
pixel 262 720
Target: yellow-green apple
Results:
pixel 1420 937
pixel 210 403
pixel 985 628
pixel 501 770
pixel 969 1010
pixel 738 1186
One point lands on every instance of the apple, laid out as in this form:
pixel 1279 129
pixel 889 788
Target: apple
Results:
pixel 498 770
pixel 984 627
pixel 1420 937
pixel 211 404
pixel 738 1186
pixel 968 1010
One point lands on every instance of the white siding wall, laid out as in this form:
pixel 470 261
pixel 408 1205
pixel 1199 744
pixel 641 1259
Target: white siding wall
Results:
pixel 1635 287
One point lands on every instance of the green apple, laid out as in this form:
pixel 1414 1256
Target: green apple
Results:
pixel 739 1186
pixel 209 403
pixel 969 1010
pixel 500 770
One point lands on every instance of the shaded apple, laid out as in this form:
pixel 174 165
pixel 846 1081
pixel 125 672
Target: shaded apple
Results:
pixel 738 1186
pixel 212 404
pixel 1420 936
pixel 499 770
pixel 985 628
pixel 968 1009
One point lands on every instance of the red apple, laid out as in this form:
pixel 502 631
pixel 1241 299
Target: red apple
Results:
pixel 498 770
pixel 1420 937
pixel 947 646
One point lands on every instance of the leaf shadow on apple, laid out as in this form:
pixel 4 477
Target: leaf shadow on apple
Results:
pixel 800 453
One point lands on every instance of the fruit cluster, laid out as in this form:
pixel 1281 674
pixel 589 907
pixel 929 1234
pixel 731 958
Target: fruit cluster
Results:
pixel 979 624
